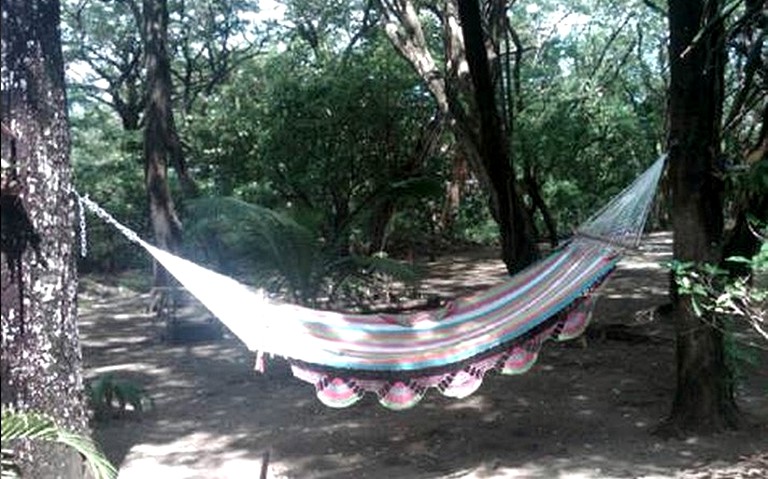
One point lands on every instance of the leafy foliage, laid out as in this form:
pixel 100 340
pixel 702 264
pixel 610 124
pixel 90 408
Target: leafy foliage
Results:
pixel 32 426
pixel 335 142
pixel 282 251
pixel 324 119
pixel 108 395
pixel 591 100
pixel 713 290
pixel 106 168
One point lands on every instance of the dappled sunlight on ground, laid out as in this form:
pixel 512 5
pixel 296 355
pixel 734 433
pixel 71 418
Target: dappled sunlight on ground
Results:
pixel 586 410
pixel 463 273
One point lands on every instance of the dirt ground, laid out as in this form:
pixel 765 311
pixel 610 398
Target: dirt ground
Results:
pixel 587 409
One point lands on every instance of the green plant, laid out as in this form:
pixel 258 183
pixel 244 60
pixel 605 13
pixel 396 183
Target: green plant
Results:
pixel 18 426
pixel 712 289
pixel 723 300
pixel 285 252
pixel 108 396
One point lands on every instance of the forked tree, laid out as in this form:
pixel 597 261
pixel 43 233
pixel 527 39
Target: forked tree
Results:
pixel 465 94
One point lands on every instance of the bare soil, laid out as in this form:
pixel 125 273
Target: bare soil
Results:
pixel 587 409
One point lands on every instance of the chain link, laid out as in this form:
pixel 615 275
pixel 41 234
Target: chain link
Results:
pixel 83 234
pixel 98 211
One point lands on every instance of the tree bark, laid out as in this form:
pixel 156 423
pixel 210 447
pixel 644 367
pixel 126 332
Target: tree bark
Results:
pixel 704 400
pixel 453 87
pixel 41 356
pixel 515 225
pixel 157 131
pixel 533 188
pixel 454 190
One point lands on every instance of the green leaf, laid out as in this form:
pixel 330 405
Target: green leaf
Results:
pixel 34 426
pixel 738 259
pixel 696 307
pixel 698 289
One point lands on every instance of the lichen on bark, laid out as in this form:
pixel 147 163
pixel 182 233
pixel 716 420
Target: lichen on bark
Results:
pixel 41 356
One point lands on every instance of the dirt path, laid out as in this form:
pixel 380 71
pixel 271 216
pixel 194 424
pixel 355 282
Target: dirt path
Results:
pixel 584 411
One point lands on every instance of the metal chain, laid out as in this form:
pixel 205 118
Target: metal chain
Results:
pixel 98 211
pixel 83 234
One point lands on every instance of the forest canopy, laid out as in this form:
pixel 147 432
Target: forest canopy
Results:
pixel 356 124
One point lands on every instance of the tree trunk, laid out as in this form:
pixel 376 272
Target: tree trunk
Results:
pixel 451 87
pixel 515 225
pixel 378 227
pixel 157 131
pixel 704 399
pixel 533 189
pixel 453 191
pixel 41 356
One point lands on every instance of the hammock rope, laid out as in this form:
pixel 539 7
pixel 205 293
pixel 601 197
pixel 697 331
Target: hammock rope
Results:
pixel 622 220
pixel 399 357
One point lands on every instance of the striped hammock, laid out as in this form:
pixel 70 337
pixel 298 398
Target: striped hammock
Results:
pixel 399 357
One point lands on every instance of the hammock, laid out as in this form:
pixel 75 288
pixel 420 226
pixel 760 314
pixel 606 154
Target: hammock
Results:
pixel 399 357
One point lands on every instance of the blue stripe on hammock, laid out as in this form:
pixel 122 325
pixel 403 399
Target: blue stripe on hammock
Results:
pixel 448 321
pixel 464 355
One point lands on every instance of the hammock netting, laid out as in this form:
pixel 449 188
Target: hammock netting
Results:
pixel 622 220
pixel 399 357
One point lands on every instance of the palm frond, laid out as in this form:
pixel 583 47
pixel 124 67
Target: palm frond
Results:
pixel 284 252
pixel 273 246
pixel 17 425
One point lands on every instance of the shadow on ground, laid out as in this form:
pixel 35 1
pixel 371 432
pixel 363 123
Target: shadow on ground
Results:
pixel 586 410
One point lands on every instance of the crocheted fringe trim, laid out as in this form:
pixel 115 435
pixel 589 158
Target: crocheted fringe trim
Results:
pixel 340 392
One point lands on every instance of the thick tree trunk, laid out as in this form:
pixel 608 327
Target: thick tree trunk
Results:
pixel 157 131
pixel 704 398
pixel 41 356
pixel 516 228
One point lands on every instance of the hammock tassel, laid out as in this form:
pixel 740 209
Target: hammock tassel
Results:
pixel 261 364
